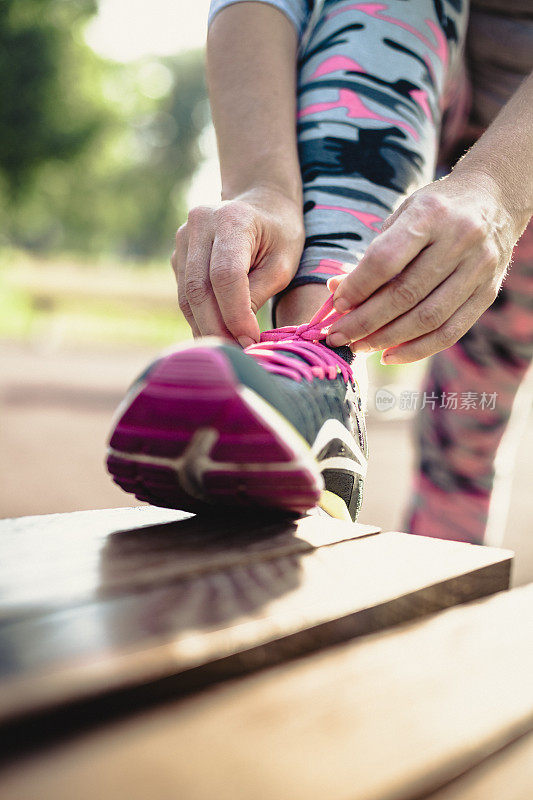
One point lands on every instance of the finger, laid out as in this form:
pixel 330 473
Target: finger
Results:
pixel 442 338
pixel 398 296
pixel 230 263
pixel 178 261
pixel 271 277
pixel 334 282
pixel 427 316
pixel 198 289
pixel 385 257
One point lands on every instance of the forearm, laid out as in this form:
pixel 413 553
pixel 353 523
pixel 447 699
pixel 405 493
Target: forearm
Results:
pixel 251 67
pixel 505 154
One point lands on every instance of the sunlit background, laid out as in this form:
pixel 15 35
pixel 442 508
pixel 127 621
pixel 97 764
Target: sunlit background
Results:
pixel 133 30
pixel 105 142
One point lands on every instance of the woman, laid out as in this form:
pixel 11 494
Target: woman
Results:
pixel 372 87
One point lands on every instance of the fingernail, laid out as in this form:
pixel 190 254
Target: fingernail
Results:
pixel 361 347
pixel 245 341
pixel 386 358
pixel 337 339
pixel 341 305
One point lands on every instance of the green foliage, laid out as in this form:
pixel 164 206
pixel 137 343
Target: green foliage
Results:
pixel 40 116
pixel 95 157
pixel 166 134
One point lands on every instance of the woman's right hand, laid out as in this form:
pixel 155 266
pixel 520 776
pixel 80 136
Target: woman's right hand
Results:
pixel 231 258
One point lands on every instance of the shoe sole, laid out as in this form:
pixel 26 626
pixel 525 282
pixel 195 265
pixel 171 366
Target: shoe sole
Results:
pixel 191 437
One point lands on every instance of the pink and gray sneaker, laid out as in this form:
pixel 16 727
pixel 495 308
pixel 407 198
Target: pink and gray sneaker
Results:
pixel 278 425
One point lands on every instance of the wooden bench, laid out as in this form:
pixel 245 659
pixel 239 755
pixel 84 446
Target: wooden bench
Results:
pixel 111 621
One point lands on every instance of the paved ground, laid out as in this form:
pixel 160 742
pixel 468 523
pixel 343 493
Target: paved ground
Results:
pixel 55 412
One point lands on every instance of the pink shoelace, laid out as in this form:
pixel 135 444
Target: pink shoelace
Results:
pixel 316 360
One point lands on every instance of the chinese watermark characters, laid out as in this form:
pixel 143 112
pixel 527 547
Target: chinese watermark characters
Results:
pixel 416 400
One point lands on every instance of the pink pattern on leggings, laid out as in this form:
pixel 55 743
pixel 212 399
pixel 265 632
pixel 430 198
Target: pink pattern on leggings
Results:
pixel 420 96
pixel 336 64
pixel 330 267
pixel 356 109
pixel 366 218
pixel 374 10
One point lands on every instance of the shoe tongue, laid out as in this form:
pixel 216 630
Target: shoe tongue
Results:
pixel 344 352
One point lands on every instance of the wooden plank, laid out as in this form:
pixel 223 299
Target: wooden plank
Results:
pixel 507 775
pixel 65 559
pixel 389 717
pixel 202 627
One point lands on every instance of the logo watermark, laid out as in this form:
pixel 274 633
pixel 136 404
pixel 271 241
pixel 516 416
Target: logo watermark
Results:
pixel 415 400
pixel 384 399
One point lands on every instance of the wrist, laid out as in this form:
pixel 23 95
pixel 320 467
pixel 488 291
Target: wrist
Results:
pixel 281 187
pixel 501 183
pixel 496 189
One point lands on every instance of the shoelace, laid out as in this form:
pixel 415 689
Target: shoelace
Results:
pixel 315 360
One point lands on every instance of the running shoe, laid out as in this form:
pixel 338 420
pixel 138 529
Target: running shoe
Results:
pixel 279 425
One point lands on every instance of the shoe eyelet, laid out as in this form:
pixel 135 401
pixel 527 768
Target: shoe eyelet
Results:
pixel 359 404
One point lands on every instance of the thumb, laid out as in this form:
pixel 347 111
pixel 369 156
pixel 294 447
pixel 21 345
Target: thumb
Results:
pixel 334 283
pixel 271 277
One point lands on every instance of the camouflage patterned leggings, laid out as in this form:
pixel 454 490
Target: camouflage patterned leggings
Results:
pixel 374 79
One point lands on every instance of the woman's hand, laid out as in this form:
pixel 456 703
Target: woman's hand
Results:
pixel 436 267
pixel 231 258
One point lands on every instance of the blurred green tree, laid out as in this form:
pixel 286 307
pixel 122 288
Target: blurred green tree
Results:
pixel 39 118
pixel 95 157
pixel 169 135
pixel 166 134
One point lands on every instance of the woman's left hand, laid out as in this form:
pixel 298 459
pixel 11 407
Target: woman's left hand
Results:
pixel 435 268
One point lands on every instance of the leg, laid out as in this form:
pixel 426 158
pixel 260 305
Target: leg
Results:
pixel 457 446
pixel 299 304
pixel 371 83
pixel 453 492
